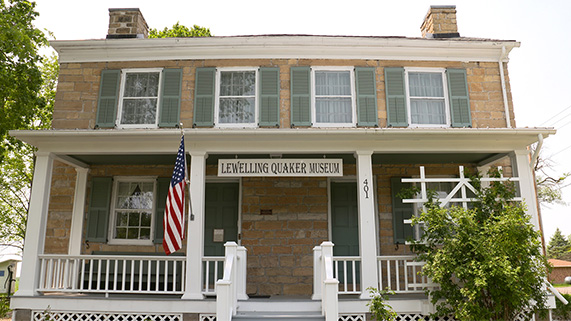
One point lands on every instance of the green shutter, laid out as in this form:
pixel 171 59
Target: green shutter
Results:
pixel 401 212
pixel 108 98
pixel 204 96
pixel 459 98
pixel 269 97
pixel 169 113
pixel 396 97
pixel 300 97
pixel 161 203
pixel 98 214
pixel 366 97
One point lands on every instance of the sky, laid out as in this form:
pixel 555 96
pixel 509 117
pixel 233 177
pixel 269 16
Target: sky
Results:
pixel 539 70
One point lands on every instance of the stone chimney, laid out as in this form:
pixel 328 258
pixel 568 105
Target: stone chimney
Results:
pixel 127 23
pixel 440 22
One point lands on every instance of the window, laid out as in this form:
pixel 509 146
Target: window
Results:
pixel 236 102
pixel 139 99
pixel 427 97
pixel 132 210
pixel 333 97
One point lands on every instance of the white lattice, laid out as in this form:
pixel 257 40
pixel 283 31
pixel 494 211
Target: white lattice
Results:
pixel 86 316
pixel 420 317
pixel 208 317
pixel 352 317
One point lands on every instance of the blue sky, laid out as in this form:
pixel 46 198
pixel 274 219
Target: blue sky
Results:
pixel 539 71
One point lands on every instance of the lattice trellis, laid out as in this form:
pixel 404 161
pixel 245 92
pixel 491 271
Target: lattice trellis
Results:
pixel 86 316
pixel 208 317
pixel 352 317
pixel 421 317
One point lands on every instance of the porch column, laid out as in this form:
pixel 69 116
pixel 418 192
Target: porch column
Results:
pixel 78 211
pixel 367 223
pixel 36 226
pixel 521 168
pixel 195 236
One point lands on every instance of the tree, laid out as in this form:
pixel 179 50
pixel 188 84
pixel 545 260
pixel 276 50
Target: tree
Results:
pixel 487 260
pixel 20 74
pixel 548 185
pixel 180 31
pixel 558 245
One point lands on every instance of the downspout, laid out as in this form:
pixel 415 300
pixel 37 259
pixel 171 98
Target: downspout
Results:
pixel 537 150
pixel 503 57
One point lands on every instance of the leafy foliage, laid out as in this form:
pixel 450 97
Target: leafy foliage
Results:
pixel 563 311
pixel 378 306
pixel 487 260
pixel 558 245
pixel 180 31
pixel 20 74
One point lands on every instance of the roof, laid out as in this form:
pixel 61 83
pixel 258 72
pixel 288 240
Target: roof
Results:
pixel 559 263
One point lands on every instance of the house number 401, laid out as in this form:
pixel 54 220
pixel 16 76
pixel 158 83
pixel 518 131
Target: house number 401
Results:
pixel 366 188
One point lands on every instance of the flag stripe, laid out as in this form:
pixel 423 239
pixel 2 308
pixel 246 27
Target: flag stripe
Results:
pixel 173 222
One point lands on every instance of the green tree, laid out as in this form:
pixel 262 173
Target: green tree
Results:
pixel 487 260
pixel 180 31
pixel 20 74
pixel 558 245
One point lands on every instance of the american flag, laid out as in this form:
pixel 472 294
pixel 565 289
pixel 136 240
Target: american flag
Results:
pixel 174 213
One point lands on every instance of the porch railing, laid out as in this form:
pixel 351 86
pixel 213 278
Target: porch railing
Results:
pixel 347 269
pixel 212 267
pixel 112 274
pixel 402 274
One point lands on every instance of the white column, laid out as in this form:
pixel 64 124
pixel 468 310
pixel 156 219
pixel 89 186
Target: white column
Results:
pixel 367 229
pixel 242 272
pixel 36 227
pixel 78 211
pixel 195 235
pixel 521 168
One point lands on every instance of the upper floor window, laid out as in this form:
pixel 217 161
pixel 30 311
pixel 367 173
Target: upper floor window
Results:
pixel 139 98
pixel 132 210
pixel 236 98
pixel 427 97
pixel 333 97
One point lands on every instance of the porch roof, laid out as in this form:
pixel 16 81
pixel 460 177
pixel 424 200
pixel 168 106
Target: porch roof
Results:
pixel 387 144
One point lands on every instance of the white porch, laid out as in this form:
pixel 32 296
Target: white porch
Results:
pixel 194 283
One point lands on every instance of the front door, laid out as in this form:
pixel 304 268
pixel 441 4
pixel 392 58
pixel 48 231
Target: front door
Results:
pixel 221 217
pixel 344 219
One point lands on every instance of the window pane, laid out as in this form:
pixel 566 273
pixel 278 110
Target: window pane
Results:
pixel 139 111
pixel 236 110
pixel 134 219
pixel 333 83
pixel 121 219
pixel 146 219
pixel 121 233
pixel 238 83
pixel 142 84
pixel 145 234
pixel 333 110
pixel 427 111
pixel 133 233
pixel 423 84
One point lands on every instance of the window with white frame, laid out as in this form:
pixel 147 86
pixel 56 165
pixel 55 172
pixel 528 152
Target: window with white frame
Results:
pixel 236 102
pixel 333 97
pixel 139 98
pixel 133 210
pixel 427 95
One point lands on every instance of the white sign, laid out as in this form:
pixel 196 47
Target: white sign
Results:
pixel 280 167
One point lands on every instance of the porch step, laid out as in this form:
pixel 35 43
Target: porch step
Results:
pixel 279 316
pixel 278 304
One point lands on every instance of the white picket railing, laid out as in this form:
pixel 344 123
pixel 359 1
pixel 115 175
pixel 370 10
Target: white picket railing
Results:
pixel 347 269
pixel 402 274
pixel 112 274
pixel 212 267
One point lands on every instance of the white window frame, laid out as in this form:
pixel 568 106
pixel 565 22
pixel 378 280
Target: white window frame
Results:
pixel 351 71
pixel 217 98
pixel 113 215
pixel 442 71
pixel 124 73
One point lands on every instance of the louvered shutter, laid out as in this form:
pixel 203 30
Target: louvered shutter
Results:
pixel 163 184
pixel 396 97
pixel 300 97
pixel 366 97
pixel 108 98
pixel 269 97
pixel 401 212
pixel 459 98
pixel 204 96
pixel 98 213
pixel 169 113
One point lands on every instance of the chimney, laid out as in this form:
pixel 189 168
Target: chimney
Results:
pixel 127 23
pixel 440 22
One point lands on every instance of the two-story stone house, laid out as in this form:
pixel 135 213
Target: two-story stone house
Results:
pixel 294 142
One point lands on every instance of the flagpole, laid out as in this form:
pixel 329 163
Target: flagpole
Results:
pixel 186 177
